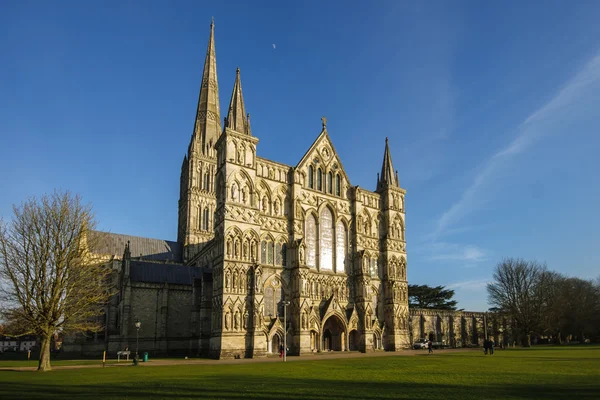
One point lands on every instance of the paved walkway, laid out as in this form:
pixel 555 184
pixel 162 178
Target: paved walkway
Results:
pixel 205 361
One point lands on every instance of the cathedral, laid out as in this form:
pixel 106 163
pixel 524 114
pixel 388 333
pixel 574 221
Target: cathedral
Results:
pixel 265 252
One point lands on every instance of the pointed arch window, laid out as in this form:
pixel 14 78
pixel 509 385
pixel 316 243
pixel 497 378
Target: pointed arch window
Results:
pixel 310 235
pixel 278 254
pixel 330 182
pixel 340 247
pixel 199 220
pixel 319 179
pixel 205 219
pixel 207 181
pixel 338 184
pixel 326 240
pixel 284 254
pixel 270 250
pixel 263 252
pixel 311 182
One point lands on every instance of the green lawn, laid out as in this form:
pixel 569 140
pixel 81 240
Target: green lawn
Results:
pixel 539 373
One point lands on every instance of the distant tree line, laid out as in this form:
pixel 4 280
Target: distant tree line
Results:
pixel 543 303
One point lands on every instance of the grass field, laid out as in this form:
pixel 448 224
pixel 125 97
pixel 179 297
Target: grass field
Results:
pixel 538 373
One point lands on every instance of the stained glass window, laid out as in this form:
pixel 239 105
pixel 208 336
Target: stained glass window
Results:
pixel 270 251
pixel 330 183
pixel 278 254
pixel 311 241
pixel 283 254
pixel 338 185
pixel 326 240
pixel 263 252
pixel 310 177
pixel 340 247
pixel 319 179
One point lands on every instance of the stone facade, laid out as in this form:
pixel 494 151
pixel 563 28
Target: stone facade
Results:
pixel 259 240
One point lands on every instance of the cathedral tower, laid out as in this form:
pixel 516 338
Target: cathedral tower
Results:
pixel 237 286
pixel 197 201
pixel 394 296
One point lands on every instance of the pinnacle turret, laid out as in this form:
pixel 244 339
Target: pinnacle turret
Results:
pixel 237 119
pixel 208 118
pixel 388 177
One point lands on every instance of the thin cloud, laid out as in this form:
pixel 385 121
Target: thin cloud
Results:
pixel 476 285
pixel 274 46
pixel 462 253
pixel 572 98
pixel 444 251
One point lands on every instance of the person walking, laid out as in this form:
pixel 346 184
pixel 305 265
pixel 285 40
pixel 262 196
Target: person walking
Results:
pixel 280 351
pixel 430 346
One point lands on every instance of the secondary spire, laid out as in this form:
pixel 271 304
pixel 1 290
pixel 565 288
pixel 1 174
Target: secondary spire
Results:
pixel 388 177
pixel 237 119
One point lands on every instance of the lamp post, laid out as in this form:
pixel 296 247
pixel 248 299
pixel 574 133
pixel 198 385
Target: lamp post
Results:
pixel 138 324
pixel 285 304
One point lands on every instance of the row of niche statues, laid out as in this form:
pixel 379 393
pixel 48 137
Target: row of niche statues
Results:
pixel 236 320
pixel 244 196
pixel 318 290
pixel 241 249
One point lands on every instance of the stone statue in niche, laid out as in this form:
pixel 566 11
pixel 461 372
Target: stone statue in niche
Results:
pixel 234 192
pixel 245 251
pixel 227 280
pixel 257 280
pixel 245 195
pixel 265 204
pixel 246 320
pixel 227 320
pixel 276 208
pixel 301 254
pixel 237 320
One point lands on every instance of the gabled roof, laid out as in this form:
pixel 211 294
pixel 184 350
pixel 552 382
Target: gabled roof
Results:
pixel 151 249
pixel 321 142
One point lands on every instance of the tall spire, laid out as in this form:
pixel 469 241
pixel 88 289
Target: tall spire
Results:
pixel 388 177
pixel 237 117
pixel 208 119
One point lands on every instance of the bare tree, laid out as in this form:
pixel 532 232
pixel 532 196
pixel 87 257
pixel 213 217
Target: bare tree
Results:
pixel 517 291
pixel 51 280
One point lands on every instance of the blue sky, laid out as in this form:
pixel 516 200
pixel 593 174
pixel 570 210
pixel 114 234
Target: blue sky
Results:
pixel 491 109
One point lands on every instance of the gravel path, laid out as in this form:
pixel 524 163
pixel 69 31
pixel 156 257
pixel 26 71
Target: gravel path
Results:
pixel 269 359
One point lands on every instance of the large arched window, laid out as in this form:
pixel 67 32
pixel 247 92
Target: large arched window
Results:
pixel 330 182
pixel 326 240
pixel 319 179
pixel 338 184
pixel 311 181
pixel 340 247
pixel 310 236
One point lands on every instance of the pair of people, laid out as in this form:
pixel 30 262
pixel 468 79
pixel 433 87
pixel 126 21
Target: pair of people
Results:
pixel 488 346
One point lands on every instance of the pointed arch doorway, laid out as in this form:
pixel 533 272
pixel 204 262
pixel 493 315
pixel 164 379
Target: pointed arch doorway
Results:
pixel 334 334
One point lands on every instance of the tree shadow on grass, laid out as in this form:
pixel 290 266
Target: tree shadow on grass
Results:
pixel 241 387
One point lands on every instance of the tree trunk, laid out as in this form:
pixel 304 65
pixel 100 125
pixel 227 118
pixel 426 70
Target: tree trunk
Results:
pixel 44 364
